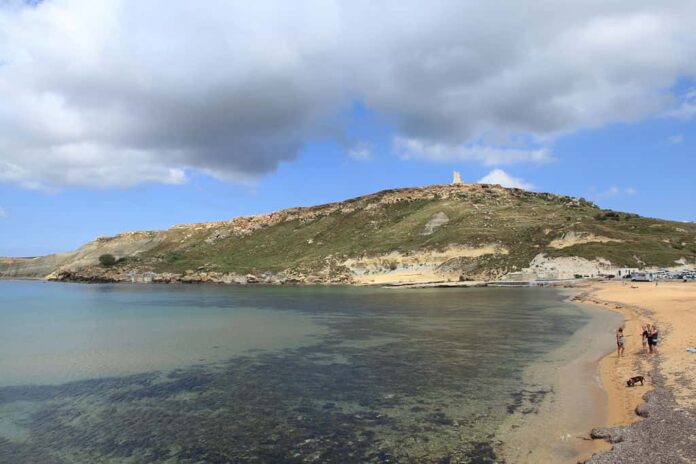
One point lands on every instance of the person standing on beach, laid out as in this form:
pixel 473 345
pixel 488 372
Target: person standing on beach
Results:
pixel 644 338
pixel 620 342
pixel 652 339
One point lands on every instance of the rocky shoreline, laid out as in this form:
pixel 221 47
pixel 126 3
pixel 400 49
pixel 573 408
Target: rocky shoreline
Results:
pixel 270 278
pixel 195 277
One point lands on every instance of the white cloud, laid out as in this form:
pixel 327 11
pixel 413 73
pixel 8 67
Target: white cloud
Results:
pixel 610 192
pixel 360 151
pixel 615 191
pixel 91 165
pixel 3 213
pixel 676 139
pixel 117 92
pixel 488 155
pixel 500 177
pixel 686 107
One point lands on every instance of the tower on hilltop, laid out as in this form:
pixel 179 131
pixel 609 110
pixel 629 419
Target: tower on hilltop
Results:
pixel 456 178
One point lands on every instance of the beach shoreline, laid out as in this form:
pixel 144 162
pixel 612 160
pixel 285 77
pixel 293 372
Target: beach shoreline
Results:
pixel 562 398
pixel 666 402
pixel 591 415
pixel 622 401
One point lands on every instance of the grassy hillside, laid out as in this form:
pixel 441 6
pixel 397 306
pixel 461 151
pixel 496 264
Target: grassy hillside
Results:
pixel 474 230
pixel 521 222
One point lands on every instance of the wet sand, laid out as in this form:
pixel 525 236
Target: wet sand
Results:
pixel 556 429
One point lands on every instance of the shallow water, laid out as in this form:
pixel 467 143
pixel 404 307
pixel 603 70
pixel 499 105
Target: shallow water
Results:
pixel 189 374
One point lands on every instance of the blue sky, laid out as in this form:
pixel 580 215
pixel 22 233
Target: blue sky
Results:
pixel 117 117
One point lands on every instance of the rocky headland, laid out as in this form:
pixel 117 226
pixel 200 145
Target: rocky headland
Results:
pixel 439 233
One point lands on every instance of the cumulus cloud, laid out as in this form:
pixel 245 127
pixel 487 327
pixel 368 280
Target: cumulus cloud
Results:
pixel 118 92
pixel 676 139
pixel 500 177
pixel 361 151
pixel 488 155
pixel 615 191
pixel 686 109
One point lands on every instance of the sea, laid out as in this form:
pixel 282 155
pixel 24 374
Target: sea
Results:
pixel 117 373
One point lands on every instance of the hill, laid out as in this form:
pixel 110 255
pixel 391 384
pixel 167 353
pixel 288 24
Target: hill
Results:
pixel 433 233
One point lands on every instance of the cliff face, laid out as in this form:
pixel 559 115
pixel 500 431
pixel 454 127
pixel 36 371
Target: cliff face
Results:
pixel 440 232
pixel 127 244
pixel 31 268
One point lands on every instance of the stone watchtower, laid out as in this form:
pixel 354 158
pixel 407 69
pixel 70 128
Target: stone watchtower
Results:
pixel 456 178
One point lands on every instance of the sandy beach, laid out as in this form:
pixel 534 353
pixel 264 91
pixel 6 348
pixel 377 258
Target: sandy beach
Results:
pixel 671 306
pixel 589 384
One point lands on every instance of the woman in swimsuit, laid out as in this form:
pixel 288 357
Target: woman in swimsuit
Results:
pixel 620 342
pixel 652 339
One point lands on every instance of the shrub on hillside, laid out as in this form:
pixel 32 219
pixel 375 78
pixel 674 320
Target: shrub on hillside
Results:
pixel 612 215
pixel 107 260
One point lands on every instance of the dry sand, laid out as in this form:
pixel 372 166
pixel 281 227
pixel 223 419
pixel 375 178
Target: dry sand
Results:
pixel 671 306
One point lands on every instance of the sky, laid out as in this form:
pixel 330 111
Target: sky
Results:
pixel 125 115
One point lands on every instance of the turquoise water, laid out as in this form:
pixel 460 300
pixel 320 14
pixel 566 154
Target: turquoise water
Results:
pixel 217 374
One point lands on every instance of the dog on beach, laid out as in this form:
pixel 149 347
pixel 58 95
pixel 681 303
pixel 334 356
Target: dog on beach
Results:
pixel 634 380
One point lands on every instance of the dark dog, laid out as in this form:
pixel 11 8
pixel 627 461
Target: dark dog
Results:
pixel 634 380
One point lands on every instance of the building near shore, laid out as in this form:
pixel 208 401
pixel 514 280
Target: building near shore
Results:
pixel 626 271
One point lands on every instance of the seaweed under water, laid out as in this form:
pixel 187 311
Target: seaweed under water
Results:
pixel 384 384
